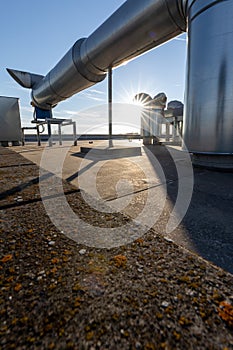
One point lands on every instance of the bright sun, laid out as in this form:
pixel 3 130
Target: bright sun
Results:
pixel 134 96
pixel 142 99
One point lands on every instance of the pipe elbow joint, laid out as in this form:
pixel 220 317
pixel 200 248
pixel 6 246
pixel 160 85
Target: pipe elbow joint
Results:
pixel 67 78
pixel 84 64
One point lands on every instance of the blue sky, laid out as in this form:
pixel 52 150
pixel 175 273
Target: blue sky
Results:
pixel 36 34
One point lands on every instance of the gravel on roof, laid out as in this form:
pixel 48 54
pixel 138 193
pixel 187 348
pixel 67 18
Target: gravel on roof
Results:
pixel 57 294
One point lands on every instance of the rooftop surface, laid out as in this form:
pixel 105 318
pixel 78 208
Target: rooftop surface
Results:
pixel 114 251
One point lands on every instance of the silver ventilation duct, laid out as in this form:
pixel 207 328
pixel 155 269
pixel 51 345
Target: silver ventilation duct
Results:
pixel 136 27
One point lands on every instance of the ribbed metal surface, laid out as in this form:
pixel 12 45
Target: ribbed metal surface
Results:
pixel 208 126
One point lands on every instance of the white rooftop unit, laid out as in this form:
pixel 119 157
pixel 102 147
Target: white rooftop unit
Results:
pixel 10 124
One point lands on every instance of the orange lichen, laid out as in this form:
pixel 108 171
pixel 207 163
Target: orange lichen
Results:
pixel 139 240
pixel 18 286
pixel 225 311
pixel 183 321
pixel 67 252
pixel 177 335
pixel 10 279
pixel 89 335
pixel 120 260
pixel 52 286
pixel 77 301
pixel 53 270
pixel 150 346
pixel 7 258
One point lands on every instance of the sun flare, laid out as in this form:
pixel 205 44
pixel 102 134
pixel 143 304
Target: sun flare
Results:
pixel 142 99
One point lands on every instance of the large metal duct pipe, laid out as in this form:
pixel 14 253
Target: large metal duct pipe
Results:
pixel 134 28
pixel 138 26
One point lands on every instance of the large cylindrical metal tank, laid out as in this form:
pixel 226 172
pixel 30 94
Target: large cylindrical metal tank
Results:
pixel 208 124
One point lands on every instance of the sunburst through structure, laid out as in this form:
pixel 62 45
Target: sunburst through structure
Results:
pixel 142 99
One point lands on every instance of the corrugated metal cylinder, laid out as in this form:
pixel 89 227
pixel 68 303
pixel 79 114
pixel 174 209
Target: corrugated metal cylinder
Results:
pixel 208 125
